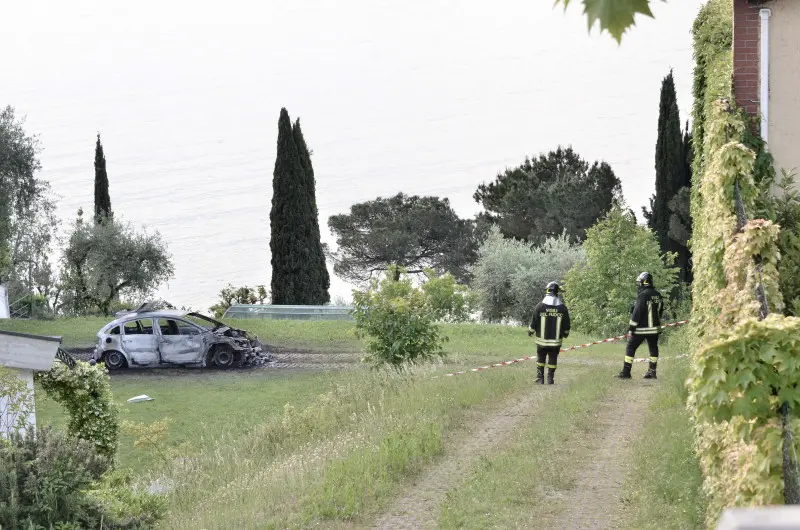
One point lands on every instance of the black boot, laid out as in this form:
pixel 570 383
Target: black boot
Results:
pixel 626 371
pixel 540 375
pixel 550 373
pixel 651 372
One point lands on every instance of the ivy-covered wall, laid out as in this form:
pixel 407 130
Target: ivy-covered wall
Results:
pixel 744 365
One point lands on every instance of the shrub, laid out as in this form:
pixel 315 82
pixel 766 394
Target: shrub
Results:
pixel 448 300
pixel 784 208
pixel 85 392
pixel 549 262
pixel 126 507
pixel 396 321
pixel 16 404
pixel 56 481
pixel 510 275
pixel 42 481
pixel 601 289
pixel 231 295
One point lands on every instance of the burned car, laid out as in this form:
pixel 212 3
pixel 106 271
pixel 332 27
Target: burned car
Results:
pixel 147 337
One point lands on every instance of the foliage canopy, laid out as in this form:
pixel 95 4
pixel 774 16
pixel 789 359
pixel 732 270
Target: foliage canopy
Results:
pixel 397 322
pixel 415 233
pixel 299 273
pixel 546 196
pixel 601 289
pixel 510 276
pixel 27 209
pixel 103 261
pixel 614 16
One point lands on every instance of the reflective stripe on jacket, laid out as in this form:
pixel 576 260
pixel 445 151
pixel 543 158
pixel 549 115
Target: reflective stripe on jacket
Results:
pixel 646 314
pixel 550 324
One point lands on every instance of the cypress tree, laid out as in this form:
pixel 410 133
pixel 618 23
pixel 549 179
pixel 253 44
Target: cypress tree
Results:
pixel 680 227
pixel 297 257
pixel 688 156
pixel 102 199
pixel 318 271
pixel 670 163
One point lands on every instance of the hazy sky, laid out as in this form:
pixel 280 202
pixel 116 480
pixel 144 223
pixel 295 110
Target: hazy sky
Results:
pixel 427 99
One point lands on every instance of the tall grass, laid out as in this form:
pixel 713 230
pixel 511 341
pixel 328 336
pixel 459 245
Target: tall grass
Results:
pixel 202 406
pixel 665 488
pixel 206 406
pixel 337 459
pixel 522 485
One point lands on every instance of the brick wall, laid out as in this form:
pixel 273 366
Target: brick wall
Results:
pixel 746 26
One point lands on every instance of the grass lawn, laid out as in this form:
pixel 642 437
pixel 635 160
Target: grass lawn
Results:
pixel 522 484
pixel 206 406
pixel 334 336
pixel 466 340
pixel 666 482
pixel 286 449
pixel 340 459
pixel 75 332
pixel 202 407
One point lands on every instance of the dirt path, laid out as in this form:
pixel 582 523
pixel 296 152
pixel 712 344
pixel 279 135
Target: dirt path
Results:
pixel 419 505
pixel 595 503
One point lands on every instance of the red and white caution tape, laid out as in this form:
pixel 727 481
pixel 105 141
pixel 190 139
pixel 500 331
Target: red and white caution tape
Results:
pixel 533 357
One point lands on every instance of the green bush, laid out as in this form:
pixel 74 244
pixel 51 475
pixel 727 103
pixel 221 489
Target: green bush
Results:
pixel 448 300
pixel 125 507
pixel 56 481
pixel 18 405
pixel 85 392
pixel 783 207
pixel 601 289
pixel 42 481
pixel 231 295
pixel 510 275
pixel 397 323
pixel 679 307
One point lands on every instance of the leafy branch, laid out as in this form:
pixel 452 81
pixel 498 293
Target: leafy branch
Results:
pixel 614 16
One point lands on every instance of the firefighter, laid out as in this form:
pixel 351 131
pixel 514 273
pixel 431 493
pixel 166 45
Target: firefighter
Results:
pixel 550 325
pixel 645 324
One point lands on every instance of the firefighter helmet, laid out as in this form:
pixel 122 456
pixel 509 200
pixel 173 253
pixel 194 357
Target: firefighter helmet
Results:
pixel 553 288
pixel 645 279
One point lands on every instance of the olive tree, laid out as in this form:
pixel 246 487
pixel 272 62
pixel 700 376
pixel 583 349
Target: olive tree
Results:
pixel 27 210
pixel 104 261
pixel 510 275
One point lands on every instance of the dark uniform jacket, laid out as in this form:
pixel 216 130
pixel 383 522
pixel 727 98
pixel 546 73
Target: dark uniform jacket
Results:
pixel 646 313
pixel 550 322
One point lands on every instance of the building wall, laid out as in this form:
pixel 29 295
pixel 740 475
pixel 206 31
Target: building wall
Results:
pixel 746 27
pixel 784 84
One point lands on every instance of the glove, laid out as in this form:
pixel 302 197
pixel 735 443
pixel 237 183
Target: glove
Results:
pixel 530 333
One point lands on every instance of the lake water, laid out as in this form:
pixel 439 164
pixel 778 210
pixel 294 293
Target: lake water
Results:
pixel 432 98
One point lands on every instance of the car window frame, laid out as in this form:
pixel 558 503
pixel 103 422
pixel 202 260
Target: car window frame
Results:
pixel 198 330
pixel 188 323
pixel 139 326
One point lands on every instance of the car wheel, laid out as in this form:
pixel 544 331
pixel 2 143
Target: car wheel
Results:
pixel 224 357
pixel 115 360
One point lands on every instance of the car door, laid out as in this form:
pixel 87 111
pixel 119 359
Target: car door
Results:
pixel 139 341
pixel 179 341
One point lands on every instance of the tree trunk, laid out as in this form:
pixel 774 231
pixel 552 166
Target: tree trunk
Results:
pixel 791 480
